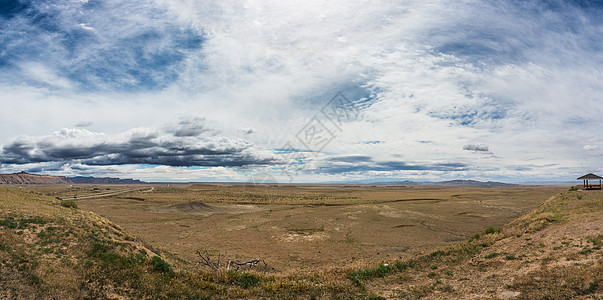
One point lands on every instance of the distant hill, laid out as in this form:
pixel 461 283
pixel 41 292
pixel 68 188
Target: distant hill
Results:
pixel 26 178
pixel 472 183
pixel 457 182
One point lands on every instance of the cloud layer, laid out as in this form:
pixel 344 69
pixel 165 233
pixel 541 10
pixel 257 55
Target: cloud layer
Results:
pixel 471 89
pixel 92 45
pixel 181 145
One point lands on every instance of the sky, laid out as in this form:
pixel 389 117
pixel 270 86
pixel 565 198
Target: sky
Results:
pixel 302 91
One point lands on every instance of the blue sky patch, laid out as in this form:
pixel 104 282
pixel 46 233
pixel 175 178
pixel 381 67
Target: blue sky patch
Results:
pixel 78 47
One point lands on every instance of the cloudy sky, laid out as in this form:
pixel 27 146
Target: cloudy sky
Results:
pixel 300 91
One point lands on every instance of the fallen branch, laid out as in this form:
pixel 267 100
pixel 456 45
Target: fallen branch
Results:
pixel 217 263
pixel 251 263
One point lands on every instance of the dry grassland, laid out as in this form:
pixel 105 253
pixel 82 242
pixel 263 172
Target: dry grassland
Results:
pixel 323 242
pixel 308 227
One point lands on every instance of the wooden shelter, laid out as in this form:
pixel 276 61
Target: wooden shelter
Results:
pixel 591 176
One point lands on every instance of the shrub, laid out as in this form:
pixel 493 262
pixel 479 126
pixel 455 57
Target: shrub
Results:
pixel 491 230
pixel 68 203
pixel 596 240
pixel 367 274
pixel 592 288
pixel 475 237
pixel 13 223
pixel 161 266
pixel 98 249
pixel 248 280
pixel 9 223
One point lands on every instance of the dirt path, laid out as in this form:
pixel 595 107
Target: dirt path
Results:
pixel 91 196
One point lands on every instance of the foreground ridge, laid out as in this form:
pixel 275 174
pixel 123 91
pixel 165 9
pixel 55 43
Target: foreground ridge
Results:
pixel 51 249
pixel 551 252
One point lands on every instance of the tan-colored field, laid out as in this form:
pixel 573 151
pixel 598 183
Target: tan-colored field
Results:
pixel 299 227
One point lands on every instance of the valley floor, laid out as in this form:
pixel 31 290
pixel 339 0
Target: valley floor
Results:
pixel 547 249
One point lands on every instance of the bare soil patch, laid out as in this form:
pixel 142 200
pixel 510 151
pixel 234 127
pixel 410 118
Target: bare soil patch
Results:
pixel 202 209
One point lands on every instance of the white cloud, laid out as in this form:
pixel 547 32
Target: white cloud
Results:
pixel 86 27
pixel 42 73
pixel 591 147
pixel 523 78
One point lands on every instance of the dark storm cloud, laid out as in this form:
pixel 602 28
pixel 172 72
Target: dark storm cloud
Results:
pixel 360 163
pixel 351 158
pixel 476 147
pixel 182 146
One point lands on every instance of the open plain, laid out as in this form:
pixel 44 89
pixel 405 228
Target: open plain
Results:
pixel 311 242
pixel 297 227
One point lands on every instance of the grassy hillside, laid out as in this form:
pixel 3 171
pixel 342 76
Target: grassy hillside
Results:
pixel 552 252
pixel 51 249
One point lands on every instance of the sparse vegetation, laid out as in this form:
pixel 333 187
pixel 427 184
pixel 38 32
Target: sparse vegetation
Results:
pixel 68 203
pixel 370 273
pixel 161 266
pixel 510 257
pixel 42 240
pixel 491 230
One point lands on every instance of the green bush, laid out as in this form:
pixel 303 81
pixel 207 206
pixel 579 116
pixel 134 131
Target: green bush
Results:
pixel 248 280
pixel 68 203
pixel 592 288
pixel 9 223
pixel 368 274
pixel 13 223
pixel 161 266
pixel 491 230
pixel 475 237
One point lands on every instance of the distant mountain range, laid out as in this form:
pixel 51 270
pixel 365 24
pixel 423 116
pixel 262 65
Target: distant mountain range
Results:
pixel 437 183
pixel 26 178
pixel 472 183
pixel 449 183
